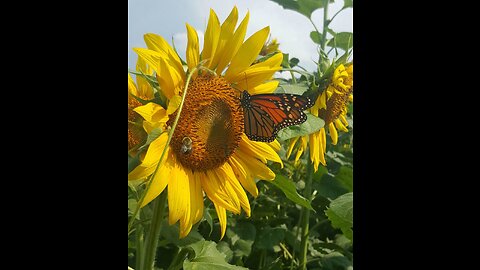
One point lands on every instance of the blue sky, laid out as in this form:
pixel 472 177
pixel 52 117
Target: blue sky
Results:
pixel 168 18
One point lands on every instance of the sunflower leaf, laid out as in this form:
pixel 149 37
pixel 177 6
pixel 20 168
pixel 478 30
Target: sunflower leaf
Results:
pixel 342 40
pixel 340 213
pixel 345 176
pixel 313 124
pixel 297 89
pixel 154 134
pixel 288 188
pixel 347 4
pixel 207 257
pixel 269 237
pixel 305 7
pixel 316 37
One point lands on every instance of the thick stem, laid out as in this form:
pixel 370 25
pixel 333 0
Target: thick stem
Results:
pixel 153 234
pixel 306 215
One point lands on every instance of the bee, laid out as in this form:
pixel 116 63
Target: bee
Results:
pixel 186 147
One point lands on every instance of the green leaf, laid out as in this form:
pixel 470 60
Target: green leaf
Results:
pixel 171 234
pixel 269 237
pixel 293 62
pixel 132 163
pixel 347 4
pixel 316 37
pixel 340 214
pixel 288 188
pixel 313 124
pixel 342 40
pixel 328 186
pixel 207 257
pixel 305 7
pixel 345 176
pixel 224 248
pixel 297 89
pixel 209 220
pixel 286 61
pixel 155 133
pixel 335 261
pixel 242 236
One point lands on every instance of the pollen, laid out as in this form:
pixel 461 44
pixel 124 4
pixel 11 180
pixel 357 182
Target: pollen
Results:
pixel 210 126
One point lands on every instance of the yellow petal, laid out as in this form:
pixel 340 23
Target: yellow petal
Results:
pixel 299 154
pixel 293 141
pixel 152 58
pixel 333 133
pixel 186 221
pixel 178 194
pixel 350 98
pixel 159 44
pixel 226 34
pixel 340 126
pixel 255 167
pixel 212 34
pixel 151 112
pixel 343 119
pixel 159 180
pixel 196 201
pixel 193 55
pixel 170 80
pixel 264 88
pixel 173 104
pixel 228 189
pixel 315 150
pixel 232 46
pixel 241 174
pixel 259 150
pixel 132 89
pixel 145 90
pixel 151 158
pixel 247 53
pixel 222 217
pixel 323 139
pixel 225 171
pixel 251 78
pixel 275 145
pixel 214 191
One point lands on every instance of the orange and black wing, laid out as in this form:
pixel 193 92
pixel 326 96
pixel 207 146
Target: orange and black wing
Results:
pixel 266 114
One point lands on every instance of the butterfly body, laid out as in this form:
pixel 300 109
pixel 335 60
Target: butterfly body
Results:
pixel 266 114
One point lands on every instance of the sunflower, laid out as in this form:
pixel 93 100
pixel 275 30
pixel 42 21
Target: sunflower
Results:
pixel 332 107
pixel 209 153
pixel 141 90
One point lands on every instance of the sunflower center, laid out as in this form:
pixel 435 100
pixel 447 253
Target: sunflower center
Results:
pixel 210 126
pixel 336 105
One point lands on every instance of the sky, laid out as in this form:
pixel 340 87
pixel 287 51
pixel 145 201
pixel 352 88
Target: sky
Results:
pixel 167 18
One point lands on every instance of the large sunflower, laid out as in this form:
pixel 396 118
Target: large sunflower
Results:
pixel 208 151
pixel 332 107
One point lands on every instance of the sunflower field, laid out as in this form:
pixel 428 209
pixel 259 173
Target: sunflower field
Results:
pixel 239 157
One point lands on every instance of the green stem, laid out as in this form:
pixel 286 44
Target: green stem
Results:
pixel 306 215
pixel 151 240
pixel 325 26
pixel 139 239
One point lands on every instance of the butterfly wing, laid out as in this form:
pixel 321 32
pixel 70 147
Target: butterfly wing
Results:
pixel 266 114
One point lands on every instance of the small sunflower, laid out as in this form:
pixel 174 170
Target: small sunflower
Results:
pixel 209 151
pixel 332 107
pixel 142 90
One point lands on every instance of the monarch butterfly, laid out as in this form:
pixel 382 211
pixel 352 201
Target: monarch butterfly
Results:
pixel 265 114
